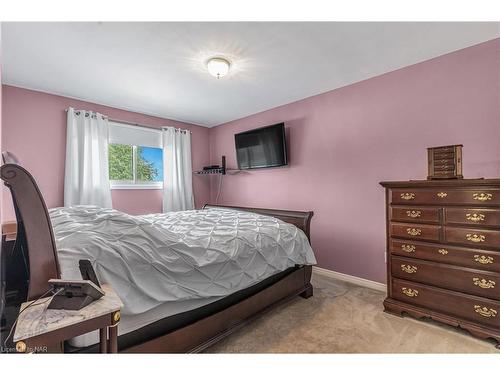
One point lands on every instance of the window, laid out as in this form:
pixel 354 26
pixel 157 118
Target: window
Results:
pixel 134 166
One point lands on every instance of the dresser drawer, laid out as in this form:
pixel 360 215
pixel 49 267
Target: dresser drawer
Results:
pixel 417 196
pixel 476 309
pixel 415 231
pixel 478 283
pixel 415 214
pixel 468 236
pixel 480 259
pixel 444 196
pixel 444 165
pixel 468 216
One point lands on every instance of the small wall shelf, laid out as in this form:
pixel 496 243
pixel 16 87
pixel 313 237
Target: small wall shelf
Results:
pixel 211 171
pixel 221 170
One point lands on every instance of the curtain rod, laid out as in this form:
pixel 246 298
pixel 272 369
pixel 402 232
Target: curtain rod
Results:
pixel 134 123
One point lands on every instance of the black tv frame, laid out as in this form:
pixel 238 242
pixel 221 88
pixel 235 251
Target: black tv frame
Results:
pixel 285 149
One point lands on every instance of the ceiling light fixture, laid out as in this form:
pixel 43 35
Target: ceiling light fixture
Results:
pixel 218 67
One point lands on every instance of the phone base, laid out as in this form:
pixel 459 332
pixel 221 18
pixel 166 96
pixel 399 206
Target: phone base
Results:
pixel 76 294
pixel 63 302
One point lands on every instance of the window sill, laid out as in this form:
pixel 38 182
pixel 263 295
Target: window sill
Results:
pixel 132 186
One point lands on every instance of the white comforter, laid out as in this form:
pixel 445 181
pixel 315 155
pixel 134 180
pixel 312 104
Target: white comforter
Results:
pixel 177 256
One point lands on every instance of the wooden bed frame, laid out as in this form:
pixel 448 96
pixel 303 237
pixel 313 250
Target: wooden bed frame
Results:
pixel 34 229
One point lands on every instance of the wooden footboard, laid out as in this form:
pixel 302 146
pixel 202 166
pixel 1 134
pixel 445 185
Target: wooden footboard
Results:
pixel 207 331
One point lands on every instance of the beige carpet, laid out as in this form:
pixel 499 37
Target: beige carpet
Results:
pixel 345 318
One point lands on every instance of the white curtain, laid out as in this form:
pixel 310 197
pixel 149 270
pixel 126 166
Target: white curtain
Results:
pixel 86 179
pixel 177 170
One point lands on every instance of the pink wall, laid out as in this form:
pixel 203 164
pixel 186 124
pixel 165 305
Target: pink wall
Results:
pixel 34 129
pixel 343 142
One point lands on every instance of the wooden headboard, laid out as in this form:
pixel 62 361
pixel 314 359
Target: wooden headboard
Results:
pixel 34 228
pixel 301 219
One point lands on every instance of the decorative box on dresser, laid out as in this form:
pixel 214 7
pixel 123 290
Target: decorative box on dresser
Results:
pixel 443 252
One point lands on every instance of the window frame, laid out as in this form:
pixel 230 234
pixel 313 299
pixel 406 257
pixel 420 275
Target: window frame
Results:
pixel 134 184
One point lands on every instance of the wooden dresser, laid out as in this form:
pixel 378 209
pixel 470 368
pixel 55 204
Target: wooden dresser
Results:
pixel 443 252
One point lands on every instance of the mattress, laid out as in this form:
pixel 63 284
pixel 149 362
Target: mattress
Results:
pixel 164 264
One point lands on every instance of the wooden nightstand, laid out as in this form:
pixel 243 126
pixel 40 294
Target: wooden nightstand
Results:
pixel 38 328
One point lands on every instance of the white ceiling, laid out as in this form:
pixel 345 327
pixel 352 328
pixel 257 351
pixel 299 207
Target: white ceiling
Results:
pixel 158 68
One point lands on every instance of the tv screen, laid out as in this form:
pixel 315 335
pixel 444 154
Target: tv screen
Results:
pixel 261 148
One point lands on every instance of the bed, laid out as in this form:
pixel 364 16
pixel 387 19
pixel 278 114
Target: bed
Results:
pixel 197 275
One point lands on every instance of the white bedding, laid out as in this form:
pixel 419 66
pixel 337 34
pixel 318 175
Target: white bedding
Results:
pixel 194 255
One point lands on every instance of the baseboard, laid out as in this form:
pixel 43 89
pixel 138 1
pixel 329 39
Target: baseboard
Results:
pixel 350 279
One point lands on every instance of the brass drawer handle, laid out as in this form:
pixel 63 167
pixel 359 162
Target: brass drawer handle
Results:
pixel 483 259
pixel 443 251
pixel 116 317
pixel 414 231
pixel 408 269
pixel 475 217
pixel 442 194
pixel 483 197
pixel 413 214
pixel 408 196
pixel 484 311
pixel 475 237
pixel 408 248
pixel 484 284
pixel 409 292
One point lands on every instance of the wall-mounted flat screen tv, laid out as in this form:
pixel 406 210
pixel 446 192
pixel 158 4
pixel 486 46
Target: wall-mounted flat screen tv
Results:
pixel 262 147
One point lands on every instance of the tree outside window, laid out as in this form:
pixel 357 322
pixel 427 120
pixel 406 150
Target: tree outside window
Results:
pixel 135 164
